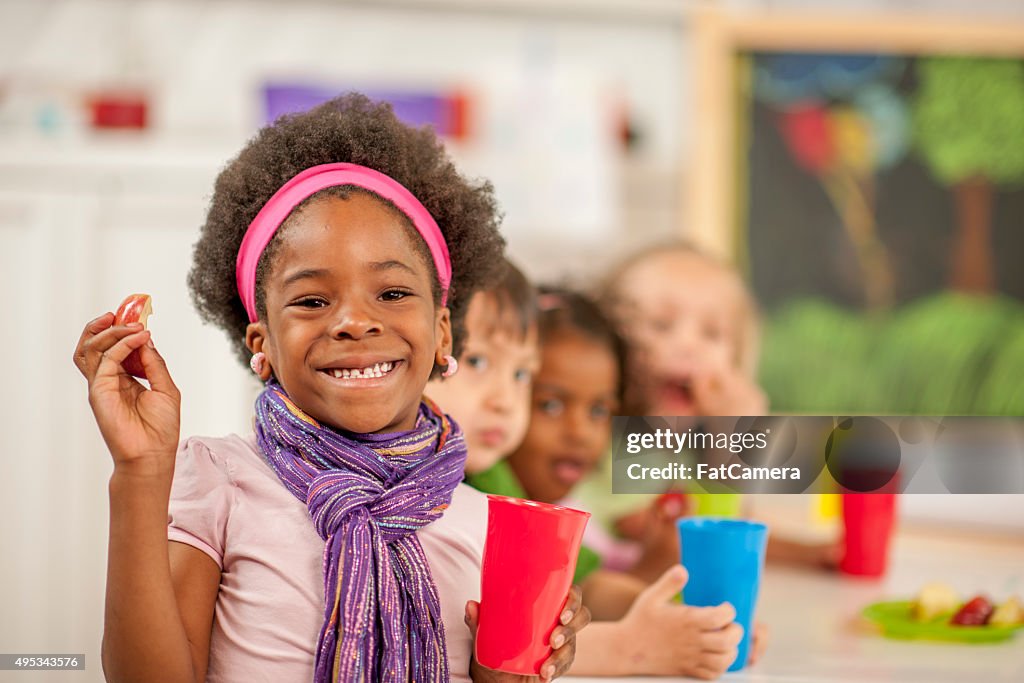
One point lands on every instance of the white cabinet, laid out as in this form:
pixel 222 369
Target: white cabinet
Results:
pixel 77 234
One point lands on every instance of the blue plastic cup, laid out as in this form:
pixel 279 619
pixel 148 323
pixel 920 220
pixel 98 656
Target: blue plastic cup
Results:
pixel 724 558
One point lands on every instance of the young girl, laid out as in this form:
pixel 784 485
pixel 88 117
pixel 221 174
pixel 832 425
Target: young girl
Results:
pixel 490 397
pixel 579 389
pixel 694 326
pixel 335 543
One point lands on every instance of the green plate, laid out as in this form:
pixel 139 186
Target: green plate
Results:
pixel 896 622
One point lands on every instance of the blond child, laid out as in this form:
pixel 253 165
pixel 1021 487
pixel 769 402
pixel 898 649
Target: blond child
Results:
pixel 694 332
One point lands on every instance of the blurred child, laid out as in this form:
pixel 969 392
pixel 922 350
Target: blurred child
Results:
pixel 644 631
pixel 490 395
pixel 573 400
pixel 693 327
pixel 337 542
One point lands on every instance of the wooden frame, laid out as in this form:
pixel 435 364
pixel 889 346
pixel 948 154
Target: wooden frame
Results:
pixel 709 194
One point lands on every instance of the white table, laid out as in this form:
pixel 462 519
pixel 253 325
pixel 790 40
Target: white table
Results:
pixel 817 636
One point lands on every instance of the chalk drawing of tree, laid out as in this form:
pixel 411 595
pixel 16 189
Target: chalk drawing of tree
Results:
pixel 968 122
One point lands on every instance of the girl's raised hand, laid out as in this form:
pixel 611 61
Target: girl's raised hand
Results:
pixel 139 425
pixel 573 619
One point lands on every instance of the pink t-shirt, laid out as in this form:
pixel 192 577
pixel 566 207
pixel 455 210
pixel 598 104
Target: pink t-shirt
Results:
pixel 617 554
pixel 227 502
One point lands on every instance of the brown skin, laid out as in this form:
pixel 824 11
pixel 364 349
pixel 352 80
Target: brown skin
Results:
pixel 351 316
pixel 574 397
pixel 342 315
pixel 563 640
pixel 179 585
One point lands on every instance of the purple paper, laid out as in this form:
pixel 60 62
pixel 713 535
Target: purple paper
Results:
pixel 444 111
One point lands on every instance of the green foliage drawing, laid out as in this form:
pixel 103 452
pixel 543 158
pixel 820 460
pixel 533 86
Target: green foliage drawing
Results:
pixel 969 118
pixel 948 354
pixel 969 128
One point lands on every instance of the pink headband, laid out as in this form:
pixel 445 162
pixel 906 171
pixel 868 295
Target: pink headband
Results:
pixel 308 183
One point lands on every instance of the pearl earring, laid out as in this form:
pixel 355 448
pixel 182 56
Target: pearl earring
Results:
pixel 257 362
pixel 452 367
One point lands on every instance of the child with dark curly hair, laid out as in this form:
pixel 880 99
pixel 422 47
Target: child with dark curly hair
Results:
pixel 336 542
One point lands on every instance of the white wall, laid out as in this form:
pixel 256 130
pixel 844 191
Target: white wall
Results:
pixel 208 93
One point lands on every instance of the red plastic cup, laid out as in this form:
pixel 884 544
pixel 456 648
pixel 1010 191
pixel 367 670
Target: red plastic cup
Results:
pixel 868 521
pixel 529 561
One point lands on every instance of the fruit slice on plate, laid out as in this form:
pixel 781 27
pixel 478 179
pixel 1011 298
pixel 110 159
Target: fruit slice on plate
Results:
pixel 935 599
pixel 136 308
pixel 896 619
pixel 1009 613
pixel 975 612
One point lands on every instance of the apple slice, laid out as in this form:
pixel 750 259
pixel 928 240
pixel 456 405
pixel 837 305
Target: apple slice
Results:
pixel 1009 613
pixel 975 613
pixel 136 308
pixel 935 599
pixel 673 504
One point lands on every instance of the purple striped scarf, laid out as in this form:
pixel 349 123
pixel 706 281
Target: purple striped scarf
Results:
pixel 367 495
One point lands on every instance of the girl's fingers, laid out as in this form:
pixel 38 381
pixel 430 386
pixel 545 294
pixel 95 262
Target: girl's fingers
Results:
pixel 560 636
pixel 559 662
pixel 472 616
pixel 92 328
pixel 574 617
pixel 573 603
pixel 564 634
pixel 91 350
pixel 579 620
pixel 110 361
pixel 156 370
pixel 96 325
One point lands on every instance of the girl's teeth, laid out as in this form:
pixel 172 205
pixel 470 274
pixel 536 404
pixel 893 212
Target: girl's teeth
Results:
pixel 378 370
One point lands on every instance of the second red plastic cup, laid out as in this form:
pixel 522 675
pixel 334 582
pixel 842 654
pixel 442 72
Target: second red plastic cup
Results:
pixel 868 520
pixel 529 561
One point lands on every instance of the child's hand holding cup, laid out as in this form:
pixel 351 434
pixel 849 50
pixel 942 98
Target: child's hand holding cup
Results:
pixel 525 620
pixel 724 559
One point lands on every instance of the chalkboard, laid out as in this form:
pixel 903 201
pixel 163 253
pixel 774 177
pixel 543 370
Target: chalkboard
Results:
pixel 871 180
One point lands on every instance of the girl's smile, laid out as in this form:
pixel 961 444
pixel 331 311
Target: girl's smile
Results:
pixel 351 329
pixel 358 372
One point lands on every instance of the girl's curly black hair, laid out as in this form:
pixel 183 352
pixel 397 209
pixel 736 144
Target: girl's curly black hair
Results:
pixel 353 129
pixel 564 311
